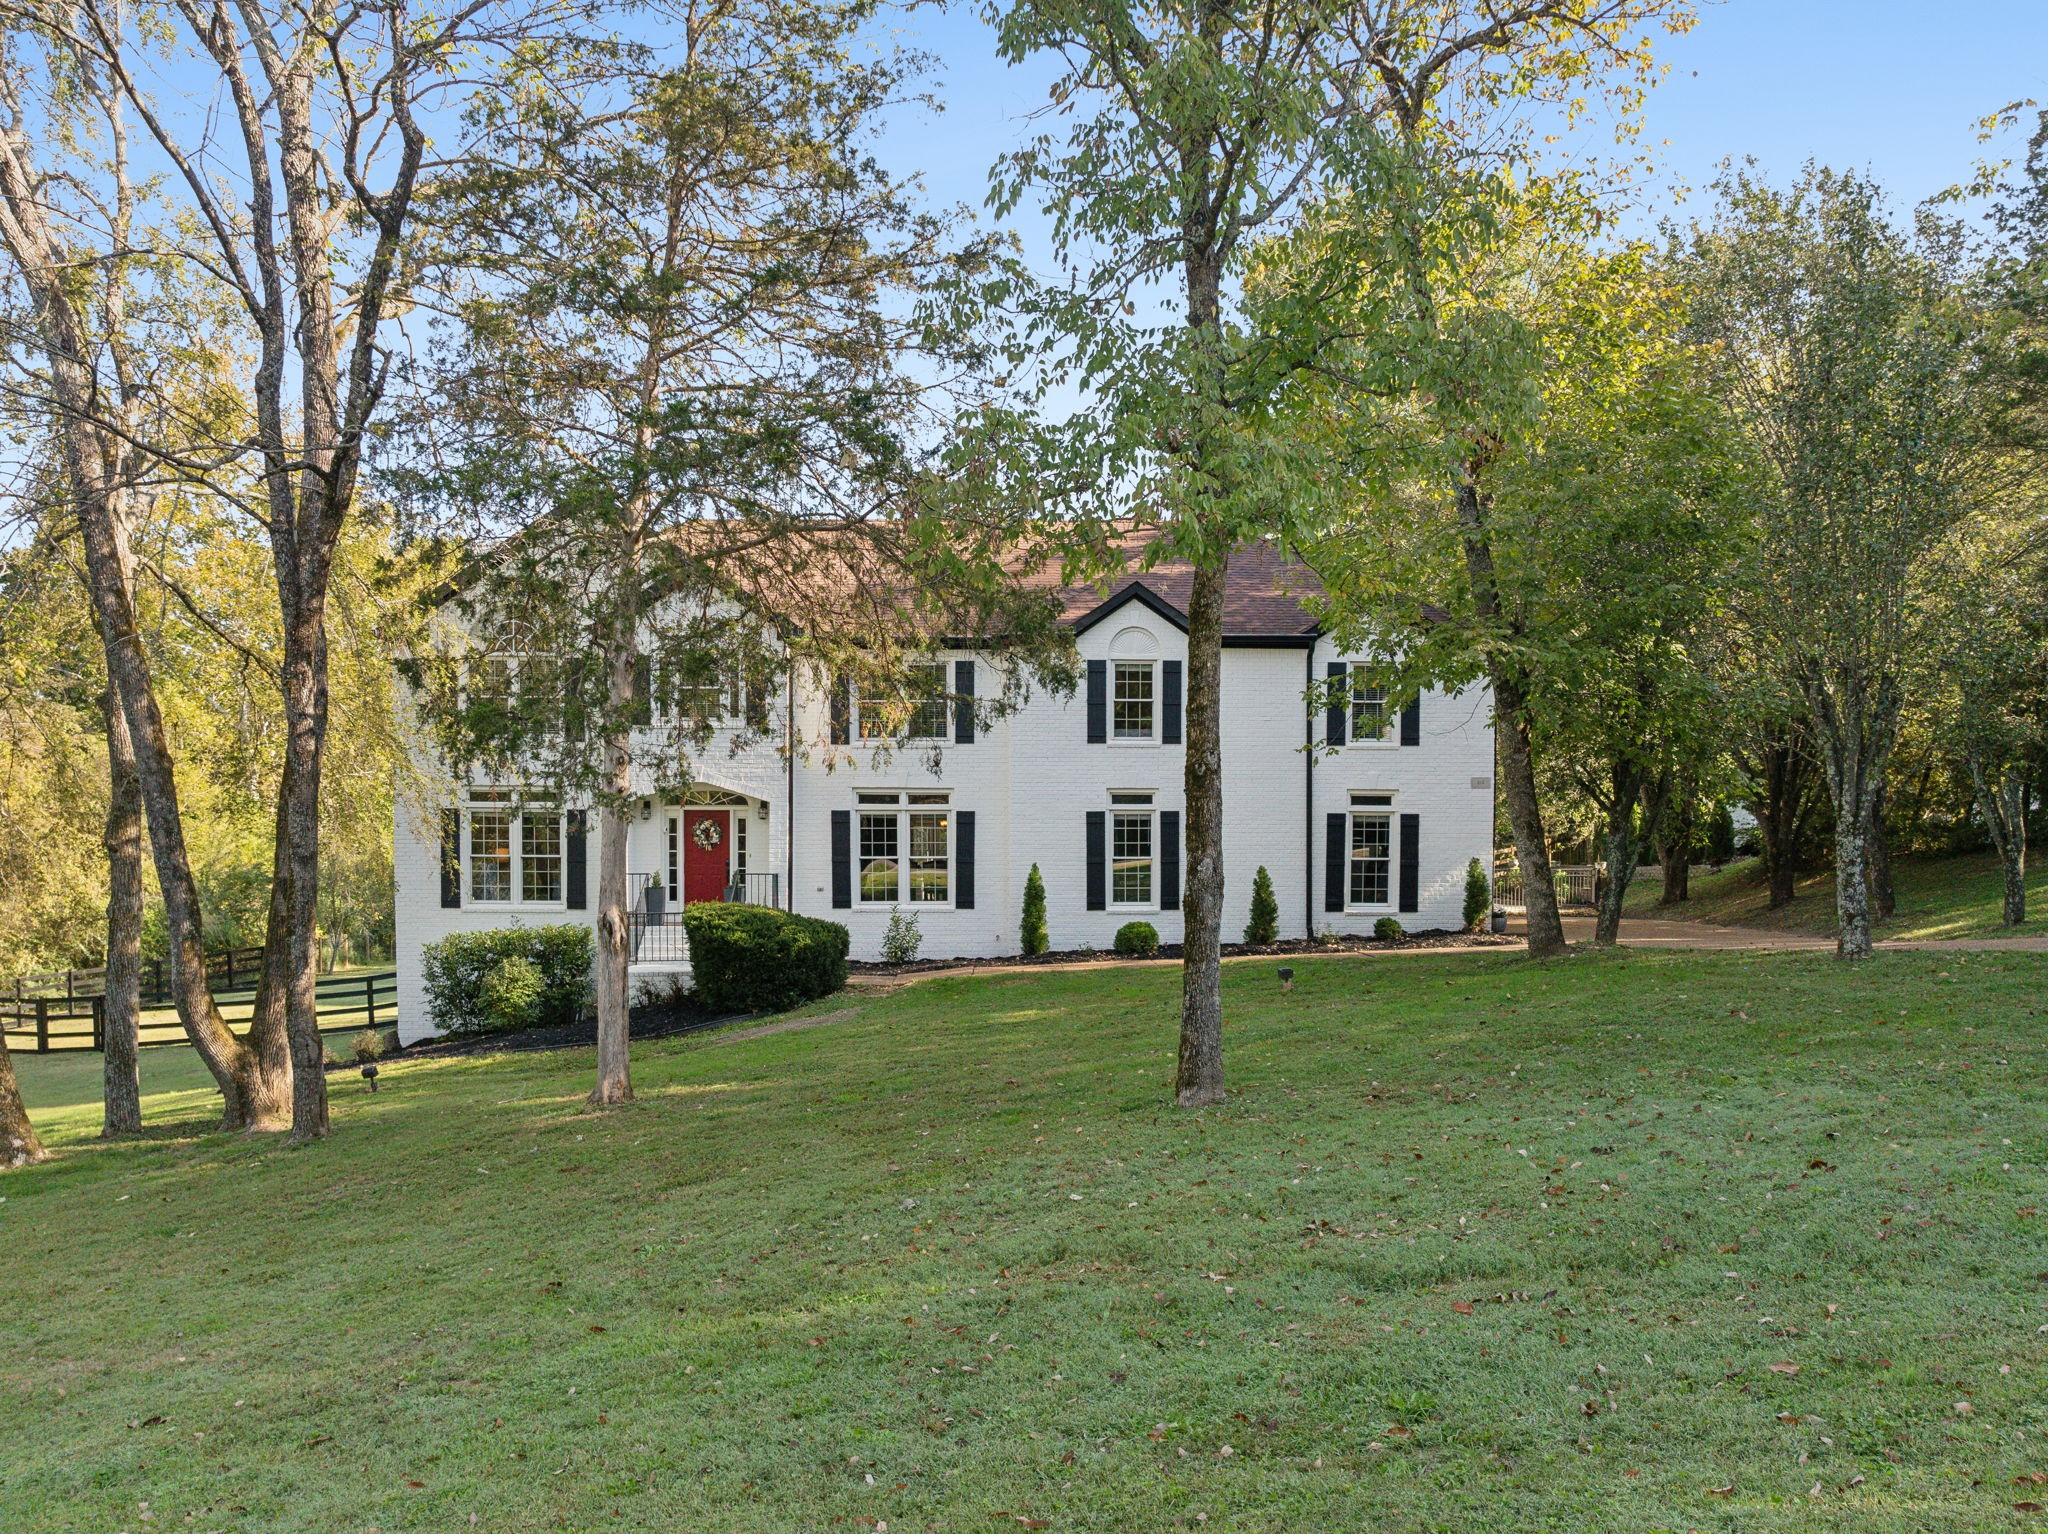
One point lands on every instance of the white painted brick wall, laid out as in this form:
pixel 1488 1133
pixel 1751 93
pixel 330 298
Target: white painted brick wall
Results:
pixel 1032 778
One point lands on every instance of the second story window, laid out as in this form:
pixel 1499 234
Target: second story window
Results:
pixel 1133 698
pixel 920 714
pixel 1369 717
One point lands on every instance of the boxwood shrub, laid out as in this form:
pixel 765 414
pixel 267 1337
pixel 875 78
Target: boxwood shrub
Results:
pixel 1137 940
pixel 750 958
pixel 507 978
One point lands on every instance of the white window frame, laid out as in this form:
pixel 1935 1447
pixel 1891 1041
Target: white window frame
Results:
pixel 1137 806
pixel 1378 807
pixel 907 807
pixel 1117 736
pixel 937 701
pixel 506 802
pixel 1362 689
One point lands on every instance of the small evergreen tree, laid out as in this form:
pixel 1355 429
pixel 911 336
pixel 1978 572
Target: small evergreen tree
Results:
pixel 1478 896
pixel 1032 933
pixel 1721 835
pixel 1264 927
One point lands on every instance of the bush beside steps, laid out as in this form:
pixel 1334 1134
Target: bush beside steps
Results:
pixel 750 958
pixel 507 979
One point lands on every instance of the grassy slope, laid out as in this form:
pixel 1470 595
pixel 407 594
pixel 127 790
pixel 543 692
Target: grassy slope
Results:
pixel 958 1243
pixel 1938 897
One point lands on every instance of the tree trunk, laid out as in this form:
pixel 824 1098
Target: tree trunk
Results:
pixel 612 978
pixel 1516 749
pixel 298 861
pixel 1671 823
pixel 1883 899
pixel 1784 780
pixel 254 1096
pixel 1621 846
pixel 18 1143
pixel 123 1003
pixel 1199 1079
pixel 2003 804
pixel 1852 893
pixel 1677 863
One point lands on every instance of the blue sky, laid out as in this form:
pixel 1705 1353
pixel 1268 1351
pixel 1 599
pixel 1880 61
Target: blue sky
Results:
pixel 1890 86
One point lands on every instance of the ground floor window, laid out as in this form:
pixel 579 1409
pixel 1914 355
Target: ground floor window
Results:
pixel 515 850
pixel 1372 849
pixel 1133 849
pixel 906 848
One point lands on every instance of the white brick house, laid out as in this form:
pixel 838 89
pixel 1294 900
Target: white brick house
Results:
pixel 1356 812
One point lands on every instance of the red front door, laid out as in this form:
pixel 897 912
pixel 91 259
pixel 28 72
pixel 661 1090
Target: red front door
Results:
pixel 707 854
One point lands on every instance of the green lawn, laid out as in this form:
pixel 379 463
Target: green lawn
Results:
pixel 1938 897
pixel 1477 1245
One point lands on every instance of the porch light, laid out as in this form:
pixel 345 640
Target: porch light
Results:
pixel 646 809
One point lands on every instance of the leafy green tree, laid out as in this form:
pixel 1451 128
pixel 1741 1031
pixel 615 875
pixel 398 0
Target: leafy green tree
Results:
pixel 1197 133
pixel 1844 345
pixel 691 388
pixel 1264 925
pixel 1031 934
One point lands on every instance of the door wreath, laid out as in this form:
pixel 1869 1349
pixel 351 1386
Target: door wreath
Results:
pixel 706 834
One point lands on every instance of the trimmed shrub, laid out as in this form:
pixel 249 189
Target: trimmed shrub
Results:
pixel 1264 927
pixel 1478 896
pixel 750 958
pixel 1031 935
pixel 1137 940
pixel 512 977
pixel 1387 930
pixel 902 941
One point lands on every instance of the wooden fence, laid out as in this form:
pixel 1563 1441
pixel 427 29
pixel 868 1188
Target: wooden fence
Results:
pixel 234 970
pixel 47 1023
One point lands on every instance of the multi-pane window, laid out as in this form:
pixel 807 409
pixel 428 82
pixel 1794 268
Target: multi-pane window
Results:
pixel 1131 849
pixel 540 857
pixel 1372 845
pixel 906 848
pixel 515 851
pixel 490 854
pixel 1369 718
pixel 1131 700
pixel 920 714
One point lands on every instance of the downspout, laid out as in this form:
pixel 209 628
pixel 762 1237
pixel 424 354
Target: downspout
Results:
pixel 1308 806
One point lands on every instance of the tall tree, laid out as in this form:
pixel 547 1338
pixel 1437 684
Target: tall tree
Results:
pixel 19 1144
pixel 1200 131
pixel 692 373
pixel 1846 348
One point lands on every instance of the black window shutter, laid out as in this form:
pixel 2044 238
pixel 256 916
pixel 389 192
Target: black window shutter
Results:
pixel 963 702
pixel 842 859
pixel 1169 702
pixel 1334 712
pixel 574 858
pixel 1336 851
pixel 643 691
pixel 1169 859
pixel 963 860
pixel 1411 725
pixel 842 712
pixel 1411 862
pixel 1098 702
pixel 1098 860
pixel 451 860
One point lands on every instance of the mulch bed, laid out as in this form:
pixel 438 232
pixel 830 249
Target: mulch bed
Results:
pixel 1298 945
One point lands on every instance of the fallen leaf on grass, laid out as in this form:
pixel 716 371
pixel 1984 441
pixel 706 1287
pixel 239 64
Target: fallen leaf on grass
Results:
pixel 1790 1418
pixel 1722 1491
pixel 1462 1307
pixel 1783 1368
pixel 2026 1507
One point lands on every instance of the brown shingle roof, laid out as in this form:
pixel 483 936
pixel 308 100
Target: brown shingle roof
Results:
pixel 1262 597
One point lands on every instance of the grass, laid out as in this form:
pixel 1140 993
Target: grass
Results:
pixel 1476 1244
pixel 1938 897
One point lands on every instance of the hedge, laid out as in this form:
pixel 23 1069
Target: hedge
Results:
pixel 507 978
pixel 751 958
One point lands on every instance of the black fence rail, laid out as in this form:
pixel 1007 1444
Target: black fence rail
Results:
pixel 49 1024
pixel 231 970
